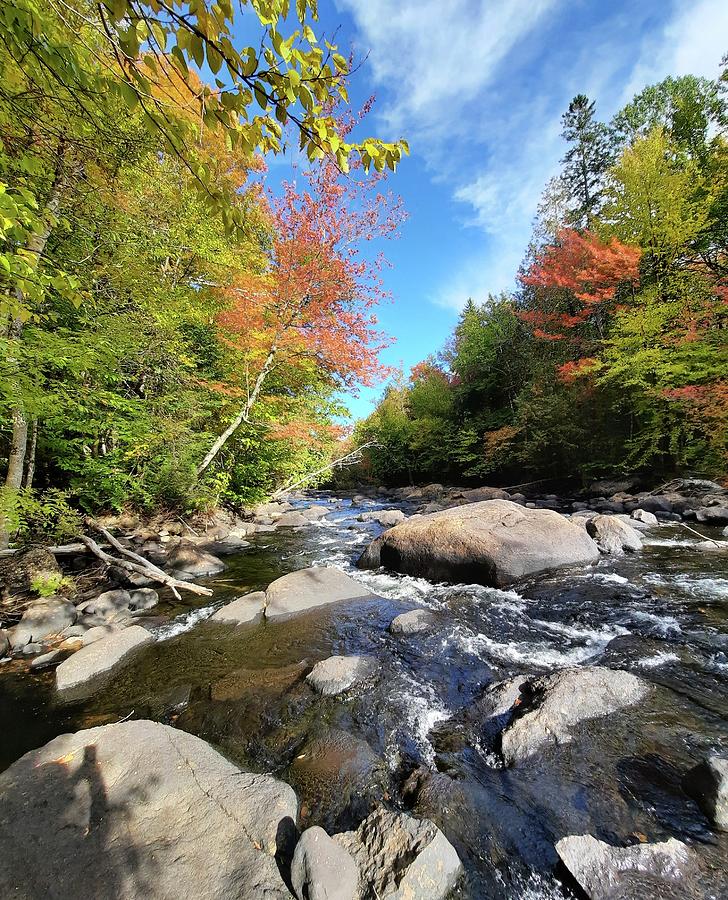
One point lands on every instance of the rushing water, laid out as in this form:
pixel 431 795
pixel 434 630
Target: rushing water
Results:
pixel 661 613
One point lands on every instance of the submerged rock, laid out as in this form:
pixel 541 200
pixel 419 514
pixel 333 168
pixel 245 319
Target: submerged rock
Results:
pixel 412 622
pixel 309 588
pixel 140 809
pixel 640 872
pixel 338 673
pixel 99 658
pixel 42 619
pixel 707 783
pixel 612 535
pixel 494 542
pixel 533 711
pixel 322 869
pixel 400 857
pixel 245 609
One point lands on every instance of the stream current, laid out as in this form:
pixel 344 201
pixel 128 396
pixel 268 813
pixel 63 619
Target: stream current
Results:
pixel 661 613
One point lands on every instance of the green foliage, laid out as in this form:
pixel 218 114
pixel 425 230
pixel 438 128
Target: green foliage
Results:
pixel 47 585
pixel 29 515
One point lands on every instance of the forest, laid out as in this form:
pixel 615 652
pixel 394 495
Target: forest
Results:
pixel 611 356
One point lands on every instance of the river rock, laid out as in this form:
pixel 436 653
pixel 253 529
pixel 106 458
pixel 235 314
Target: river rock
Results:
pixel 4 643
pixel 612 535
pixel 640 872
pixel 245 609
pixel 707 783
pixel 655 504
pixel 309 588
pixel 47 659
pixel 322 869
pixel 494 542
pixel 477 495
pixel 642 515
pixel 292 520
pixel 412 622
pixel 400 857
pixel 143 598
pixel 542 710
pixel 42 619
pixel 338 673
pixel 712 515
pixel 100 657
pixel 188 560
pixel 99 632
pixel 139 809
pixel 313 512
pixel 385 517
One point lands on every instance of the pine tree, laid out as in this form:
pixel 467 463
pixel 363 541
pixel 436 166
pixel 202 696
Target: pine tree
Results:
pixel 586 160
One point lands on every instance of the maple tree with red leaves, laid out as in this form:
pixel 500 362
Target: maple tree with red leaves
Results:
pixel 314 304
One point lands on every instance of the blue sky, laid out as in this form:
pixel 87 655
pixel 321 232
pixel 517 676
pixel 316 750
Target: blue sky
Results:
pixel 478 89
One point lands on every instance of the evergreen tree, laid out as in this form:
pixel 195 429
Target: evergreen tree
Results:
pixel 586 161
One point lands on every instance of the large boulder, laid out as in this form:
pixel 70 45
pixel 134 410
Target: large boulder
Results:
pixel 494 542
pixel 477 495
pixel 140 809
pixel 640 872
pixel 612 535
pixel 535 711
pixel 293 519
pixel 188 560
pixel 245 609
pixel 322 869
pixel 309 588
pixel 712 515
pixel 42 619
pixel 99 658
pixel 109 606
pixel 338 673
pixel 400 857
pixel 707 783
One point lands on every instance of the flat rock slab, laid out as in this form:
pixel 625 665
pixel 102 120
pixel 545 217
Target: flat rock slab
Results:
pixel 245 609
pixel 400 857
pixel 310 588
pixel 338 673
pixel 140 809
pixel 99 658
pixel 190 560
pixel 541 711
pixel 495 542
pixel 640 872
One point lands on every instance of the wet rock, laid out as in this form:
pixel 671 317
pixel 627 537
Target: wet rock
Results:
pixel 385 517
pixel 99 658
pixel 712 515
pixel 48 659
pixel 640 872
pixel 108 606
pixel 655 504
pixel 338 673
pixel 309 588
pixel 534 711
pixel 186 559
pixel 642 515
pixel 710 546
pixel 42 619
pixel 612 535
pixel 312 513
pixel 139 809
pixel 245 609
pixel 400 857
pixel 272 682
pixel 412 622
pixel 323 869
pixel 143 598
pixel 292 520
pixel 707 783
pixel 494 542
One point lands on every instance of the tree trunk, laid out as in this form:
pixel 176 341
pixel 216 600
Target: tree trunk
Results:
pixel 18 443
pixel 30 462
pixel 243 415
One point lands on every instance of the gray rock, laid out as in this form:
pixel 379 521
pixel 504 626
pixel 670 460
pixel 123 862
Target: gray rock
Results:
pixel 710 546
pixel 400 857
pixel 47 659
pixel 612 535
pixel 143 598
pixel 655 504
pixel 141 810
pixel 270 510
pixel 494 542
pixel 32 649
pixel 322 869
pixel 292 520
pixel 386 517
pixel 99 658
pixel 309 588
pixel 707 783
pixel 712 515
pixel 108 606
pixel 190 560
pixel 640 872
pixel 338 673
pixel 4 643
pixel 725 532
pixel 477 495
pixel 412 622
pixel 642 515
pixel 544 709
pixel 611 486
pixel 99 632
pixel 42 619
pixel 245 609
pixel 313 512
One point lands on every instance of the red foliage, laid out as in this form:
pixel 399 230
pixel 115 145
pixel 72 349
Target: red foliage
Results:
pixel 570 371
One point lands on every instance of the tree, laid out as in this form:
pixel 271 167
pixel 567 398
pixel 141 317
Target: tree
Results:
pixel 586 161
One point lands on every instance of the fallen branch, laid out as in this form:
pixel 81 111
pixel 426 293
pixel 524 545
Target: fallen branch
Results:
pixel 349 460
pixel 703 537
pixel 148 570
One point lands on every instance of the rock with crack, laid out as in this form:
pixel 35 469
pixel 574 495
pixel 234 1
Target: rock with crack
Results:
pixel 707 784
pixel 400 857
pixel 323 869
pixel 495 542
pixel 142 810
pixel 640 872
pixel 339 673
pixel 612 535
pixel 535 711
pixel 42 619
pixel 78 675
pixel 248 608
pixel 309 588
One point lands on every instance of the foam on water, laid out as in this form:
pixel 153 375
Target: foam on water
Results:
pixel 659 659
pixel 185 622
